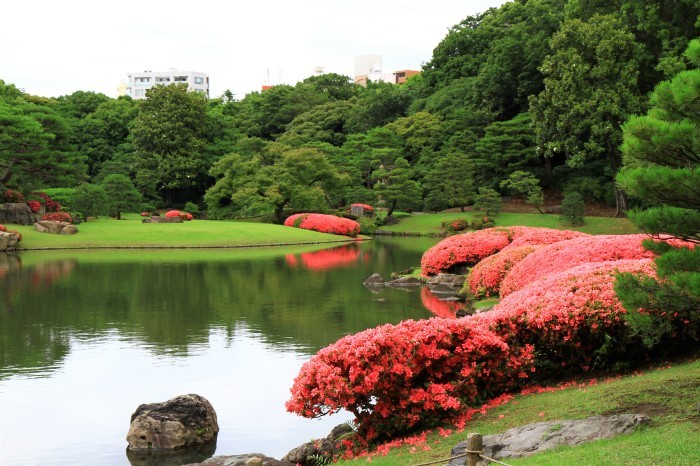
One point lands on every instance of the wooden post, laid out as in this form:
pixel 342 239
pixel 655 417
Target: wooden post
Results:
pixel 474 443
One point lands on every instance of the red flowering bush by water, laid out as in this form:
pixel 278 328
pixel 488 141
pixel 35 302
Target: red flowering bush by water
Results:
pixel 484 279
pixel 465 249
pixel 573 318
pixel 444 309
pixel 324 224
pixel 58 217
pixel 34 206
pixel 396 377
pixel 532 236
pixel 566 254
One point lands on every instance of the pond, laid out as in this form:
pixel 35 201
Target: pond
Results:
pixel 87 336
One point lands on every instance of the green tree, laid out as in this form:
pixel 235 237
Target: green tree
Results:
pixel 323 123
pixel 168 138
pixel 91 200
pixel 573 208
pixel 527 185
pixel 378 104
pixel 393 178
pixel 489 201
pixel 121 195
pixel 662 168
pixel 590 90
pixel 450 183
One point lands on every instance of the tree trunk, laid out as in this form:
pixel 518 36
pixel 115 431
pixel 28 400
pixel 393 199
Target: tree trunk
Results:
pixel 279 213
pixel 461 208
pixel 549 172
pixel 392 206
pixel 620 197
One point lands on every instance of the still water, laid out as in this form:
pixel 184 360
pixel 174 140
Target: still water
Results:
pixel 87 336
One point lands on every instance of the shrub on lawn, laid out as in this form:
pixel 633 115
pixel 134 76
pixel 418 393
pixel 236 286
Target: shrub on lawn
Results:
pixel 485 278
pixel 324 224
pixel 58 217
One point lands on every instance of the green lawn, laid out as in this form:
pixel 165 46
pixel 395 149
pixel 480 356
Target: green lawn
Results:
pixel 430 224
pixel 131 233
pixel 669 395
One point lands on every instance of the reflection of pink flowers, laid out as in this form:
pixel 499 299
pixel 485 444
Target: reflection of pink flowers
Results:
pixel 324 224
pixel 444 309
pixel 326 258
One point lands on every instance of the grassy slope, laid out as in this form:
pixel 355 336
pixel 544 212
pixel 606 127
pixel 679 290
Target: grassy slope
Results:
pixel 130 232
pixel 431 223
pixel 669 395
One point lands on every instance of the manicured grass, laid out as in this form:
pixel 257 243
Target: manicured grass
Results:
pixel 668 395
pixel 430 224
pixel 130 232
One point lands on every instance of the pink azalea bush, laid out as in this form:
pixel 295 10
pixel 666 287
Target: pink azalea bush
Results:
pixel 324 224
pixel 566 254
pixel 484 279
pixel 569 317
pixel 533 236
pixel 396 377
pixel 465 249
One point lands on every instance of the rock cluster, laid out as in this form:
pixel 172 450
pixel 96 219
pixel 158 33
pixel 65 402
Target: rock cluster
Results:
pixel 57 228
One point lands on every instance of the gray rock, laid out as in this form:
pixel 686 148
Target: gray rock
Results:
pixel 69 230
pixel 250 459
pixel 403 282
pixel 327 447
pixel 8 241
pixel 18 213
pixel 49 226
pixel 158 219
pixel 447 279
pixel 186 420
pixel 374 280
pixel 535 438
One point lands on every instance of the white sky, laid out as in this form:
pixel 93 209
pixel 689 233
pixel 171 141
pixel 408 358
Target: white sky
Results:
pixel 57 47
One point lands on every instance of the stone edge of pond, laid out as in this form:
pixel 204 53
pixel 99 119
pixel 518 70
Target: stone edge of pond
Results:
pixel 239 246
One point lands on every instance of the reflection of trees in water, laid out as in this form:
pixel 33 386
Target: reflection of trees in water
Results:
pixel 169 307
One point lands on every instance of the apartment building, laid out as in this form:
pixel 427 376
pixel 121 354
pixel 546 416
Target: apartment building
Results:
pixel 139 83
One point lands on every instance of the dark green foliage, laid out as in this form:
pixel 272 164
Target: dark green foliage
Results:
pixel 573 208
pixel 526 185
pixel 489 201
pixel 393 178
pixel 90 199
pixel 121 195
pixel 662 169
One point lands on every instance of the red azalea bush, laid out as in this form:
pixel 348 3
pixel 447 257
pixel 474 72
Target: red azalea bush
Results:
pixel 484 279
pixel 2 228
pixel 572 318
pixel 531 236
pixel 444 309
pixel 324 224
pixel 173 214
pixel 145 214
pixel 566 254
pixel 396 377
pixel 467 248
pixel 12 196
pixel 58 217
pixel 34 206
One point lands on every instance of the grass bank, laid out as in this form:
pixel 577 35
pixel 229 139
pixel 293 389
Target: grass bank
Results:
pixel 131 233
pixel 667 394
pixel 431 224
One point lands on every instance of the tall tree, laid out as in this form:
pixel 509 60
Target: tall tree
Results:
pixel 121 195
pixel 393 178
pixel 662 168
pixel 590 90
pixel 168 138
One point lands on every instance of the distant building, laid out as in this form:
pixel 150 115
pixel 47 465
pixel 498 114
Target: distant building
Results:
pixel 401 76
pixel 370 67
pixel 139 83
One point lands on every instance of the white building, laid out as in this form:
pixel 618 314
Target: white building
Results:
pixel 139 83
pixel 370 67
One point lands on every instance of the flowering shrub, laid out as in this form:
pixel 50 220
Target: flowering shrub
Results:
pixel 49 204
pixel 444 309
pixel 173 214
pixel 572 318
pixel 465 249
pixel 455 225
pixel 327 258
pixel 145 214
pixel 324 224
pixel 484 279
pixel 2 228
pixel 12 196
pixel 57 217
pixel 34 206
pixel 566 254
pixel 396 377
pixel 522 236
pixel 366 207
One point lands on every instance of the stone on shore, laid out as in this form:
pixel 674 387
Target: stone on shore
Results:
pixel 374 280
pixel 56 228
pixel 183 421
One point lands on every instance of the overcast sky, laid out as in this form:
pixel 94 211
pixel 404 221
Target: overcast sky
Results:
pixel 56 47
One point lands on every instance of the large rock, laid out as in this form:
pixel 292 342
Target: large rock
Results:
pixel 535 438
pixel 308 453
pixel 406 282
pixel 446 284
pixel 158 219
pixel 18 213
pixel 251 459
pixel 57 228
pixel 374 280
pixel 186 420
pixel 8 241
